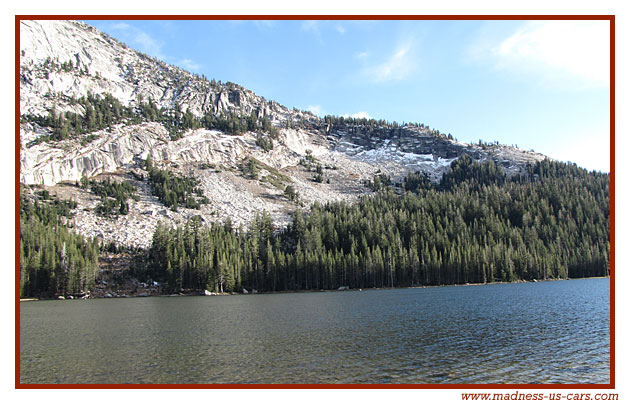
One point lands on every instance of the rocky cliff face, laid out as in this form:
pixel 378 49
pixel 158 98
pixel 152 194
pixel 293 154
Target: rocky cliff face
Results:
pixel 100 64
pixel 62 61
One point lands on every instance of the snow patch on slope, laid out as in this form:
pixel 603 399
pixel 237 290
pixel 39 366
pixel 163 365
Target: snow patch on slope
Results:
pixel 390 153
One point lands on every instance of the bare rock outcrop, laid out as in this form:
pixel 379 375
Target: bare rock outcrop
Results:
pixel 62 61
pixel 47 164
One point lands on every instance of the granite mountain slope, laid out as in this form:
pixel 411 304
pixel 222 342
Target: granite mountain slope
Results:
pixel 63 61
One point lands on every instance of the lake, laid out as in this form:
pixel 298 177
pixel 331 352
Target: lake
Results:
pixel 545 332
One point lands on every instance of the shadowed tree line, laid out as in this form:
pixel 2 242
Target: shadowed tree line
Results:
pixel 98 112
pixel 53 259
pixel 475 226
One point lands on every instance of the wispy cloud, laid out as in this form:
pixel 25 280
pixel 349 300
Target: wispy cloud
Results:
pixel 575 52
pixel 121 26
pixel 310 26
pixel 189 65
pixel 398 65
pixel 317 28
pixel 316 109
pixel 149 45
pixel 139 39
pixel 358 115
pixel 145 43
pixel 264 24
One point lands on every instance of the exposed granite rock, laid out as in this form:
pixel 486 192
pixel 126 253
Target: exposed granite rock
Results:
pixel 349 153
pixel 49 164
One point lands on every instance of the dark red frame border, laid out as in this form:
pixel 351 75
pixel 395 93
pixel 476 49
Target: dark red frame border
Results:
pixel 610 18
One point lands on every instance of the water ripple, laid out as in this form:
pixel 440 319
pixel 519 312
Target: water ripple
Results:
pixel 548 332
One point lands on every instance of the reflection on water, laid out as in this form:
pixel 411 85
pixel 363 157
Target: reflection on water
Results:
pixel 546 332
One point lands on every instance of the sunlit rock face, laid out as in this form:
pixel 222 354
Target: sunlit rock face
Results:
pixel 62 61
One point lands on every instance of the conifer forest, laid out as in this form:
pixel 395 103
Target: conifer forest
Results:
pixel 474 226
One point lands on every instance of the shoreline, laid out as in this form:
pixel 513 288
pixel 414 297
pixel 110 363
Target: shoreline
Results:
pixel 202 292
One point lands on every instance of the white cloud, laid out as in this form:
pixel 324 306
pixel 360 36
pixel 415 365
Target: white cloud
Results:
pixel 264 24
pixel 121 26
pixel 148 44
pixel 396 67
pixel 189 65
pixel 313 27
pixel 588 148
pixel 145 43
pixel 316 109
pixel 310 26
pixel 358 115
pixel 139 39
pixel 317 27
pixel 557 51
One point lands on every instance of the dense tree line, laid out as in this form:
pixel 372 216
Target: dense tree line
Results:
pixel 53 260
pixel 99 112
pixel 332 122
pixel 475 226
pixel 102 111
pixel 379 182
pixel 114 195
pixel 371 122
pixel 237 124
pixel 465 169
pixel 416 181
pixel 173 190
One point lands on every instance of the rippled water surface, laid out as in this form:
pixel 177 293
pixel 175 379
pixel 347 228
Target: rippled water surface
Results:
pixel 546 332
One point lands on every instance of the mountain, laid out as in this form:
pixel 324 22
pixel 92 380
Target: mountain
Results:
pixel 95 110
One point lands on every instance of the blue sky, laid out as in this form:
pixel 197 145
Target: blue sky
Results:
pixel 541 85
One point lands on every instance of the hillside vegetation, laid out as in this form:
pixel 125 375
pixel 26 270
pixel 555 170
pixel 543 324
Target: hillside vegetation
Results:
pixel 553 223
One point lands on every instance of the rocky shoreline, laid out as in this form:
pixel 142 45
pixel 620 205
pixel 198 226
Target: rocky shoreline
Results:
pixel 144 290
